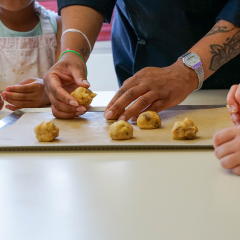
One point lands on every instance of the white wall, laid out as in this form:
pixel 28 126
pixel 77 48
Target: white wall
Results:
pixel 101 73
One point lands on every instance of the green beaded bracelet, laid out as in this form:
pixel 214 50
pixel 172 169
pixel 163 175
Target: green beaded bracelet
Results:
pixel 74 51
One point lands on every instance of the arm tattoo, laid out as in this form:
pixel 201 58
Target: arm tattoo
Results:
pixel 219 29
pixel 223 54
pixel 85 51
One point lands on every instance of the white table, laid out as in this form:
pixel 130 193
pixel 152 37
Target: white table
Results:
pixel 116 195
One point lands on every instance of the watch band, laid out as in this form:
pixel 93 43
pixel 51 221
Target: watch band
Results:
pixel 200 73
pixel 198 68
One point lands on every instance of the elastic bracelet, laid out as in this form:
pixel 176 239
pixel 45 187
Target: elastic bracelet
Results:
pixel 74 51
pixel 77 31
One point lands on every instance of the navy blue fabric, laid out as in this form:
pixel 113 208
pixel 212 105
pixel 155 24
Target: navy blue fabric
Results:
pixel 156 32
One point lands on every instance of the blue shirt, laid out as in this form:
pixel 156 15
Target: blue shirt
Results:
pixel 156 32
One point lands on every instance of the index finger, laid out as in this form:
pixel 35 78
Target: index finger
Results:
pixel 129 83
pixel 225 135
pixel 27 88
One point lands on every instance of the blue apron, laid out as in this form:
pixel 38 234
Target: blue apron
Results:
pixel 156 32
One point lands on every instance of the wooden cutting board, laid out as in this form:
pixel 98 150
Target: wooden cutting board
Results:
pixel 91 131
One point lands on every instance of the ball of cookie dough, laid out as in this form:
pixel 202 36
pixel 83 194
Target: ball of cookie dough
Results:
pixel 149 120
pixel 184 130
pixel 121 130
pixel 46 131
pixel 84 96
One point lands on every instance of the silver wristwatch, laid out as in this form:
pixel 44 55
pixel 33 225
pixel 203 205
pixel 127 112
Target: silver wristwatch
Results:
pixel 192 60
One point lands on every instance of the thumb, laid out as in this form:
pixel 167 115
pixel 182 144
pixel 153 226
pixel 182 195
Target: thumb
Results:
pixel 80 78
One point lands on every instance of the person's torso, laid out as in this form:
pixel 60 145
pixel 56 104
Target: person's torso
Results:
pixel 156 32
pixel 28 54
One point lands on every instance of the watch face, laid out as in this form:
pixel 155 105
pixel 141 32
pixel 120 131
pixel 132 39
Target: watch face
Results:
pixel 192 59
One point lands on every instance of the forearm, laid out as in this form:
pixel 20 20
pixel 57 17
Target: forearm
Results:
pixel 218 47
pixel 82 18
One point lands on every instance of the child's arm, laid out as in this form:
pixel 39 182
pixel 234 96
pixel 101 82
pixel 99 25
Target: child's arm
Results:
pixel 227 148
pixel 233 100
pixel 59 35
pixel 29 93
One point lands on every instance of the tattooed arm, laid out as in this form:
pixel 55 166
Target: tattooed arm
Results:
pixel 218 47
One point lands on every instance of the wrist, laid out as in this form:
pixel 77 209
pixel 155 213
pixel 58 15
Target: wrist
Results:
pixel 188 74
pixel 77 42
pixel 76 53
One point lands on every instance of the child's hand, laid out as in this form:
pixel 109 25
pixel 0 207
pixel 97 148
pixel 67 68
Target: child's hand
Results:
pixel 233 100
pixel 1 103
pixel 227 148
pixel 28 93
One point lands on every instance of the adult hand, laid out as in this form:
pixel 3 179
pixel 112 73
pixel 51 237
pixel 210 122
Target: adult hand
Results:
pixel 227 148
pixel 233 100
pixel 63 78
pixel 1 103
pixel 155 88
pixel 28 93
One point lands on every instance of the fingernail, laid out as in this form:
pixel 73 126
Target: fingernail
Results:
pixel 73 103
pixel 109 114
pixel 86 82
pixel 122 118
pixel 81 109
pixel 234 109
pixel 79 113
pixel 237 123
pixel 235 118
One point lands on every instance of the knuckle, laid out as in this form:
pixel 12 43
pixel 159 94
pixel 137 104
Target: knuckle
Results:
pixel 154 108
pixel 233 87
pixel 143 101
pixel 55 112
pixel 140 74
pixel 126 81
pixel 53 91
pixel 56 104
pixel 121 91
pixel 116 107
pixel 130 93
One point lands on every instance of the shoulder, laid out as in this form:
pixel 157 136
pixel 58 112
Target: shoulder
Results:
pixel 55 20
pixel 53 17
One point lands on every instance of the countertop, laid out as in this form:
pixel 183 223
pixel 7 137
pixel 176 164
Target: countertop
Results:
pixel 116 195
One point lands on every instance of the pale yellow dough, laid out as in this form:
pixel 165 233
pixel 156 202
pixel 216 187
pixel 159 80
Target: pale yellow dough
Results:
pixel 46 131
pixel 121 130
pixel 183 130
pixel 149 120
pixel 84 96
